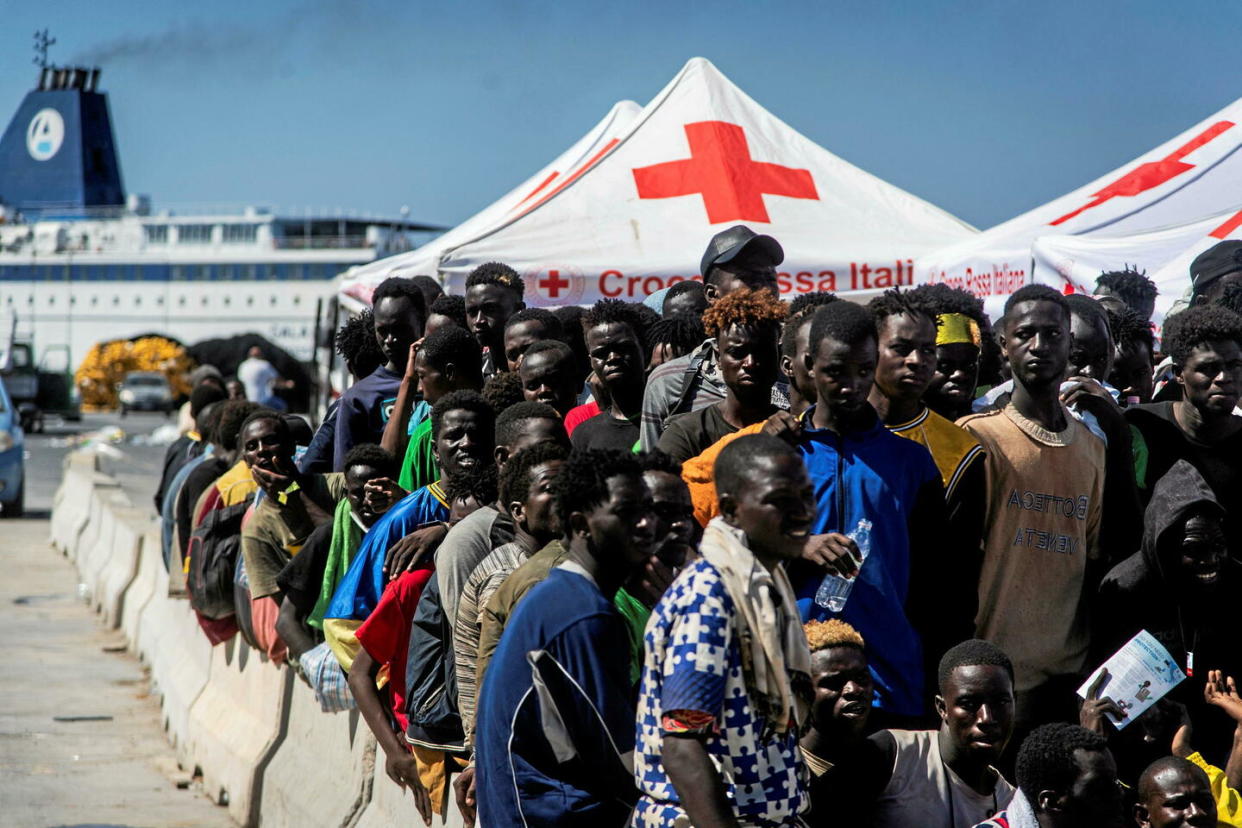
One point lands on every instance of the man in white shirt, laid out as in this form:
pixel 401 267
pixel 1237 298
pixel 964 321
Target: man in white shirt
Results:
pixel 258 375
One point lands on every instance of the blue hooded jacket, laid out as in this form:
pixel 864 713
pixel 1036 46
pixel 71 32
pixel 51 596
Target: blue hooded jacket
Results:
pixel 893 482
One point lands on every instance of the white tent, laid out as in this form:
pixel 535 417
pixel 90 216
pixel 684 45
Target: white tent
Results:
pixel 700 157
pixel 1073 263
pixel 356 284
pixel 1196 174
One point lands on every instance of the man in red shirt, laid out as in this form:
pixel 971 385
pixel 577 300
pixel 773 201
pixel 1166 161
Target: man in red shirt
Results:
pixel 385 637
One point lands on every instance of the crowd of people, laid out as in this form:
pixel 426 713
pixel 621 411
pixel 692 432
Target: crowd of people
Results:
pixel 718 559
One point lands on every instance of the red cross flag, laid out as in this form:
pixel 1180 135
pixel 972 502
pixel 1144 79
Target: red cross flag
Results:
pixel 1141 208
pixel 634 215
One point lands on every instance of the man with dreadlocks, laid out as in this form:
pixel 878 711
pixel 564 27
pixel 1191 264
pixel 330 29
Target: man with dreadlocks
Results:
pixel 962 334
pixel 747 326
pixel 907 336
pixel 1127 289
pixel 357 345
pixel 1133 356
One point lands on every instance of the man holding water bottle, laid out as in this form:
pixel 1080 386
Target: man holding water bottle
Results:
pixel 872 485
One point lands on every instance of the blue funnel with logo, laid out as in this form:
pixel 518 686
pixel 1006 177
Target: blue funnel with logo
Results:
pixel 58 155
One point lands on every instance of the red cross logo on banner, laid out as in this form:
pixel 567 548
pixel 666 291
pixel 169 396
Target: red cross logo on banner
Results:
pixel 1152 174
pixel 553 284
pixel 721 169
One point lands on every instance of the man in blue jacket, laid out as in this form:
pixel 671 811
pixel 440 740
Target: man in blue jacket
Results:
pixel 907 596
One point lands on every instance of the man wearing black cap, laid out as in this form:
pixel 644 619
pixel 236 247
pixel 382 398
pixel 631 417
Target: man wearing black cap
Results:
pixel 1215 269
pixel 735 258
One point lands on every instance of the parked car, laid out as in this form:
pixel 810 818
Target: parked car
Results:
pixel 12 458
pixel 145 391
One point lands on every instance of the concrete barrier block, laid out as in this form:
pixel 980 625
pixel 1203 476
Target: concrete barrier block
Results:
pixel 95 546
pixel 122 565
pixel 234 723
pixel 392 806
pixel 179 655
pixel 142 589
pixel 70 506
pixel 323 771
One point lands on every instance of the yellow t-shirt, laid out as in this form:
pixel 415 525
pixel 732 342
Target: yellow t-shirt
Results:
pixel 236 484
pixel 1228 801
pixel 951 447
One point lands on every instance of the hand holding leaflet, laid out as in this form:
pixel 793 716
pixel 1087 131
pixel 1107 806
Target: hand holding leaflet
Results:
pixel 1137 676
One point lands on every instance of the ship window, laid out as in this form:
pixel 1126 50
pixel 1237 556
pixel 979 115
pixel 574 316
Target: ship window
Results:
pixel 137 300
pixel 240 233
pixel 181 301
pixel 178 273
pixel 194 233
pixel 228 273
pixel 156 233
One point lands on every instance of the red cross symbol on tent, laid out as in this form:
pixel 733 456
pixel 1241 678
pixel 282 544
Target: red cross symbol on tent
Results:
pixel 553 284
pixel 1148 176
pixel 721 169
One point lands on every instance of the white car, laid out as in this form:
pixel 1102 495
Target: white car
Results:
pixel 145 391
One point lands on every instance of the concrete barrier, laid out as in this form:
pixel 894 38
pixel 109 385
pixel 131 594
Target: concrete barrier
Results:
pixel 297 792
pixel 96 559
pixel 170 641
pixel 114 579
pixel 390 805
pixel 253 731
pixel 85 541
pixel 72 499
pixel 235 720
pixel 141 589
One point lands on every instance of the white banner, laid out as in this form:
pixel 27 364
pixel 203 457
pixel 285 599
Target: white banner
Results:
pixel 1196 174
pixel 635 215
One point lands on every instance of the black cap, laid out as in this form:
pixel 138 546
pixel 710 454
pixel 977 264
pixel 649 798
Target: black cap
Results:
pixel 1218 260
pixel 727 244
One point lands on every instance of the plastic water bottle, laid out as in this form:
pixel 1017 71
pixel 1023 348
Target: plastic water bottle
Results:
pixel 835 590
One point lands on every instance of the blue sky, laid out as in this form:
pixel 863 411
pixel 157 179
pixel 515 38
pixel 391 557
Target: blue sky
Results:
pixel 986 109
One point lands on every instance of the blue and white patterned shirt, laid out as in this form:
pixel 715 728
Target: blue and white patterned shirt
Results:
pixel 693 662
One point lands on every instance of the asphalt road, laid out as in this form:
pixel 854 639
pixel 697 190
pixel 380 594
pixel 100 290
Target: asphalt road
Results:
pixel 80 738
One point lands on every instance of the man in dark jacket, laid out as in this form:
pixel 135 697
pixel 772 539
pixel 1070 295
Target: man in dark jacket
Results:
pixel 1202 427
pixel 1178 588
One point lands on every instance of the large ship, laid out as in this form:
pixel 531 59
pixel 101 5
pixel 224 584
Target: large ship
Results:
pixel 83 262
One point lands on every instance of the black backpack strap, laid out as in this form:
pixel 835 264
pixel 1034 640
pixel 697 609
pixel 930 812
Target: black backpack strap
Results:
pixel 685 380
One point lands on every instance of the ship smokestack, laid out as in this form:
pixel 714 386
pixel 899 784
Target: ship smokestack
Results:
pixel 43 72
pixel 94 81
